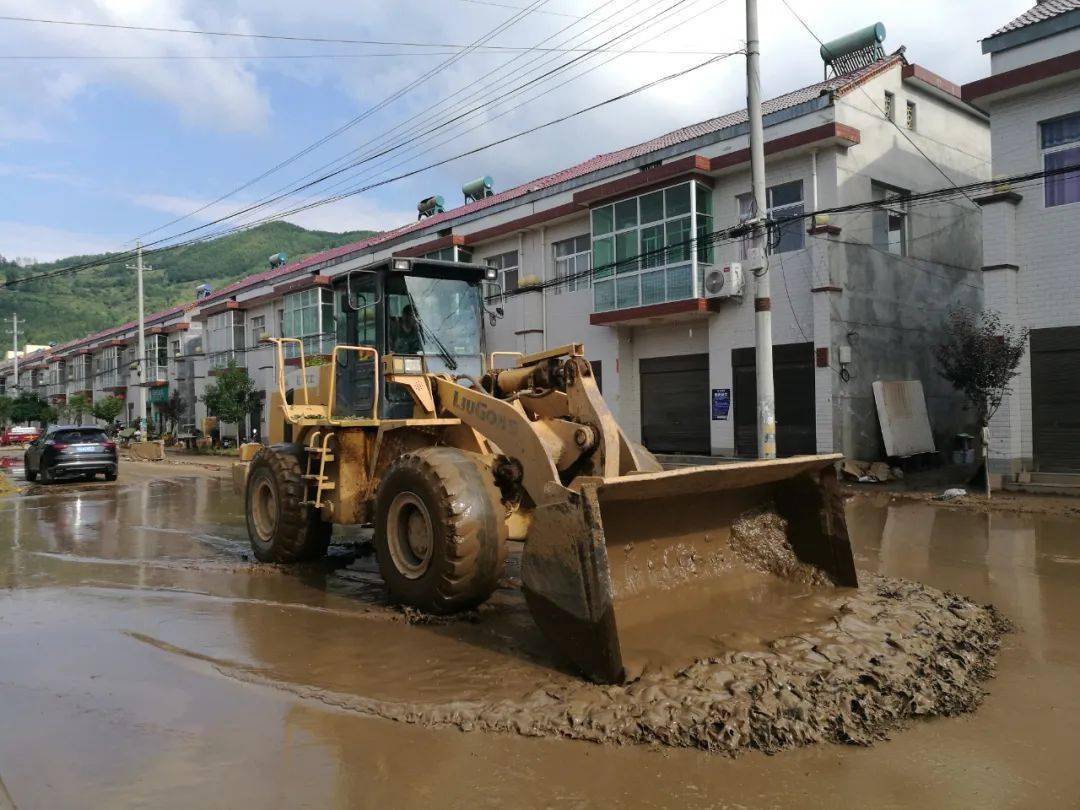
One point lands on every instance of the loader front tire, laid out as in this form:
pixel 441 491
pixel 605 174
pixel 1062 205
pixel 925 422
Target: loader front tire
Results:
pixel 281 527
pixel 440 531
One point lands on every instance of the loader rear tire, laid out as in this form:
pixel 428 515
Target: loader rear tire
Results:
pixel 440 531
pixel 281 527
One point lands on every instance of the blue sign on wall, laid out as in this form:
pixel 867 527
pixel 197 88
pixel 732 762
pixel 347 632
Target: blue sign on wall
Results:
pixel 721 403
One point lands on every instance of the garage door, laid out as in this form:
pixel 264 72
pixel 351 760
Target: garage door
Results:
pixel 1055 398
pixel 793 381
pixel 675 404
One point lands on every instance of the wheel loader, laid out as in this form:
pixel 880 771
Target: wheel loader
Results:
pixel 452 455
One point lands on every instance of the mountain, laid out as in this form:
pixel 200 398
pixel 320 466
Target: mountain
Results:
pixel 81 303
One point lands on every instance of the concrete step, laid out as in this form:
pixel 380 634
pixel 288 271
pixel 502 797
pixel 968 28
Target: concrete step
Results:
pixel 1044 489
pixel 1056 478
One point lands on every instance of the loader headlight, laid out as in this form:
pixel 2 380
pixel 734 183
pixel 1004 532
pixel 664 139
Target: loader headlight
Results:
pixel 491 274
pixel 407 365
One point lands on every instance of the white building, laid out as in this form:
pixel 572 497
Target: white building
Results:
pixel 858 298
pixel 1031 234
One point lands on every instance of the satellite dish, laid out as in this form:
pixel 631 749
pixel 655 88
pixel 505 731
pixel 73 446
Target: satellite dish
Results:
pixel 714 282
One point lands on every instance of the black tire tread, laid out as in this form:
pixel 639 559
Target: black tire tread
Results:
pixel 474 527
pixel 302 535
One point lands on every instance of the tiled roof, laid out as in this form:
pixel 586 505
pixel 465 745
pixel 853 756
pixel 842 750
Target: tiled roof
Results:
pixel 1046 10
pixel 836 85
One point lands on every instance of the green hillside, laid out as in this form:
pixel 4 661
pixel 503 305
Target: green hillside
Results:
pixel 78 304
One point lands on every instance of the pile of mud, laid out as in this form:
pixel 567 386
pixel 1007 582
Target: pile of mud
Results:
pixel 892 651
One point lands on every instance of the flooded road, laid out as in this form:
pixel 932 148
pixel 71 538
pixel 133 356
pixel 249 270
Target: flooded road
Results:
pixel 144 661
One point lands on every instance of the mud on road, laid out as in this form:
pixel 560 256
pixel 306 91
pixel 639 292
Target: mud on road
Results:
pixel 121 604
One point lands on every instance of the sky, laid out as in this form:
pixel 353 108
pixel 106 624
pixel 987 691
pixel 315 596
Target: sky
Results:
pixel 95 152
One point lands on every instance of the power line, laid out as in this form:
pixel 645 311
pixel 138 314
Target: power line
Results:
pixel 518 8
pixel 498 96
pixel 502 98
pixel 422 115
pixel 128 254
pixel 287 38
pixel 358 118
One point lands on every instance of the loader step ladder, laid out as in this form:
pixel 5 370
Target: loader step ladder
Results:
pixel 318 452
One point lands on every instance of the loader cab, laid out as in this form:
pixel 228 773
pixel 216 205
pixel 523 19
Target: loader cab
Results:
pixel 409 308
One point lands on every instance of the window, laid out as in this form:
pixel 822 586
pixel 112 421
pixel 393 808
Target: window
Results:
pixel 309 315
pixel 451 254
pixel 157 357
pixel 174 349
pixel 890 106
pixel 890 221
pixel 225 337
pixel 643 248
pixel 573 259
pixel 507 265
pixel 783 201
pixel 256 329
pixel 910 115
pixel 1061 148
pixel 105 367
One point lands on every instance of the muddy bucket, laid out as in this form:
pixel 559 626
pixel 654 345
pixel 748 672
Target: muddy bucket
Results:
pixel 641 566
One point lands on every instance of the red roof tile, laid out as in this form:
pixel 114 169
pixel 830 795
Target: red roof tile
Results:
pixel 1046 10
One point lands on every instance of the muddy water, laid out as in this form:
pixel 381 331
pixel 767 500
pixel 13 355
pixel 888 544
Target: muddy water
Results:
pixel 143 660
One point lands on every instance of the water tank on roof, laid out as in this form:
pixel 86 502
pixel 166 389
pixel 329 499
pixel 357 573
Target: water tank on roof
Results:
pixel 854 51
pixel 203 291
pixel 277 259
pixel 477 189
pixel 429 206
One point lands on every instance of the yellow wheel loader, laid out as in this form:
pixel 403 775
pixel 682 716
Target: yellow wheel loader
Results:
pixel 406 425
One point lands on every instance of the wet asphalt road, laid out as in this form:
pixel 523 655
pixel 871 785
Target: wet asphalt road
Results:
pixel 144 661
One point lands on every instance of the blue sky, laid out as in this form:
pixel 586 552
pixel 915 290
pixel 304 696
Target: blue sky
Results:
pixel 95 152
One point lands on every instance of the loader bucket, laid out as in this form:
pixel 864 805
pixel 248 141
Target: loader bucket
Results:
pixel 641 562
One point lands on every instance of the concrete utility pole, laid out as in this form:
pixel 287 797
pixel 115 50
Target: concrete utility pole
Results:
pixel 15 345
pixel 766 398
pixel 140 363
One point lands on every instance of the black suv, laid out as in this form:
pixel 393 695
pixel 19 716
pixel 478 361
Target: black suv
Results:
pixel 71 451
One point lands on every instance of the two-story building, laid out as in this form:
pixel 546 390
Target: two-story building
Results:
pixel 1031 233
pixel 857 298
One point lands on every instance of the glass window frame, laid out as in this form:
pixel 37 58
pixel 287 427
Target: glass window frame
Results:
pixel 742 205
pixel 621 283
pixel 508 263
pixel 573 265
pixel 1059 185
pixel 309 315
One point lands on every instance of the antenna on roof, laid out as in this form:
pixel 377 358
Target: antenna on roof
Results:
pixel 854 51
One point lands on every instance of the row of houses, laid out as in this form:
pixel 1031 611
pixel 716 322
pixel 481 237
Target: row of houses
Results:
pixel 856 298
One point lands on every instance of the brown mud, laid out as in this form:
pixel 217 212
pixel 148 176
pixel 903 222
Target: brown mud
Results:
pixel 144 660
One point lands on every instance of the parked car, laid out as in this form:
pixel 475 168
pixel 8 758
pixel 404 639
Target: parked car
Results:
pixel 71 451
pixel 18 435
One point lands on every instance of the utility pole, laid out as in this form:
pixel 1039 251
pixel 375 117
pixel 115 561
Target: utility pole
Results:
pixel 140 363
pixel 15 342
pixel 766 398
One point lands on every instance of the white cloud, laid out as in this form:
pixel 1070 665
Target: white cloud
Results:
pixel 46 244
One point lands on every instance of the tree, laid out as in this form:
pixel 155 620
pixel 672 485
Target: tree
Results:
pixel 980 356
pixel 107 409
pixel 172 410
pixel 78 405
pixel 233 396
pixel 6 404
pixel 28 407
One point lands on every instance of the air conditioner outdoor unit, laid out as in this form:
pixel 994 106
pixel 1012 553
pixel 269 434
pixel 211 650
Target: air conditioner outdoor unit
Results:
pixel 724 282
